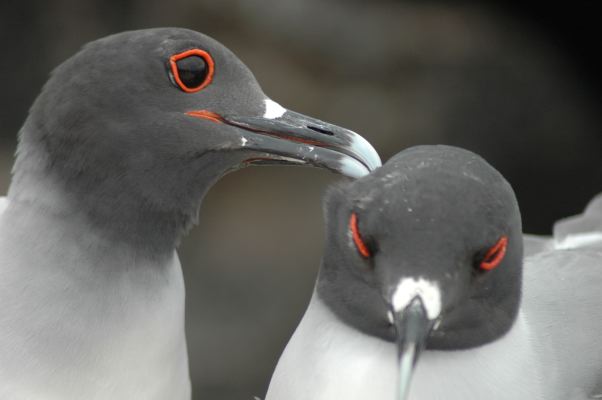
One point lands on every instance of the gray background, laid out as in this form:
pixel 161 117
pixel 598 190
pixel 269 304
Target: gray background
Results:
pixel 515 83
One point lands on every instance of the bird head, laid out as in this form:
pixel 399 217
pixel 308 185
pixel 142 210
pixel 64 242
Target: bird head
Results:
pixel 426 252
pixel 148 120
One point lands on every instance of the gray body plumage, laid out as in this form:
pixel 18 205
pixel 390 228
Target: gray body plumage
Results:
pixel 553 350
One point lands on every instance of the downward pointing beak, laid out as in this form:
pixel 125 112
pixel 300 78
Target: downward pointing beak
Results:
pixel 413 327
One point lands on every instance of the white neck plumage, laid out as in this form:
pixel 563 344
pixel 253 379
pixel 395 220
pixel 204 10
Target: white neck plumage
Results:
pixel 82 317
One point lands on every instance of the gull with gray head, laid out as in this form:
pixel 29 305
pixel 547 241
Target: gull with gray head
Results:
pixel 113 161
pixel 429 290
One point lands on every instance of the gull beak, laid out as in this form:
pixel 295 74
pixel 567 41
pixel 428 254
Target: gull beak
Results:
pixel 286 137
pixel 413 327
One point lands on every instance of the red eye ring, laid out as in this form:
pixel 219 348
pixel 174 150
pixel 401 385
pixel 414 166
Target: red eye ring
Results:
pixel 192 52
pixel 357 238
pixel 494 255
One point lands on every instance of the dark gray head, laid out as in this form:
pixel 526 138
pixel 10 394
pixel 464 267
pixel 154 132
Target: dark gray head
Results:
pixel 137 126
pixel 430 243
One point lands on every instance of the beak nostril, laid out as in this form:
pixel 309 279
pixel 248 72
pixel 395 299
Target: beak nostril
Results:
pixel 320 130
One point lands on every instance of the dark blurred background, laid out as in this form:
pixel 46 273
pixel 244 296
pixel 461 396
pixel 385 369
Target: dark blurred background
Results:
pixel 517 82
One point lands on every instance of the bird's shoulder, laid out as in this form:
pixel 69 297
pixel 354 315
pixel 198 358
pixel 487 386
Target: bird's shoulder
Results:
pixel 567 263
pixel 581 231
pixel 561 302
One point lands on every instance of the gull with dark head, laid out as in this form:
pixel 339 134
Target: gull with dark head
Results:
pixel 113 162
pixel 429 290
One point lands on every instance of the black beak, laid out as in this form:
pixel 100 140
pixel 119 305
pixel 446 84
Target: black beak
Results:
pixel 293 138
pixel 413 327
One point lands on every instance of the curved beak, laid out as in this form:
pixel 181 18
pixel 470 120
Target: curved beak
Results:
pixel 287 137
pixel 413 327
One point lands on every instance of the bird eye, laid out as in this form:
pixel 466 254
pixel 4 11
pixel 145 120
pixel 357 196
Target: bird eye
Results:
pixel 192 70
pixel 360 245
pixel 495 254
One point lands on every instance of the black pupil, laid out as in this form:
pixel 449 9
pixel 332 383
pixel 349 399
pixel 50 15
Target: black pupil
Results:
pixel 192 71
pixel 493 255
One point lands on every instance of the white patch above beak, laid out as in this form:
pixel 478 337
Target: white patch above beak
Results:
pixel 273 110
pixel 408 288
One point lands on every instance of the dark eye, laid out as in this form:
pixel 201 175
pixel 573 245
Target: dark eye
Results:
pixel 192 70
pixel 360 245
pixel 494 256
